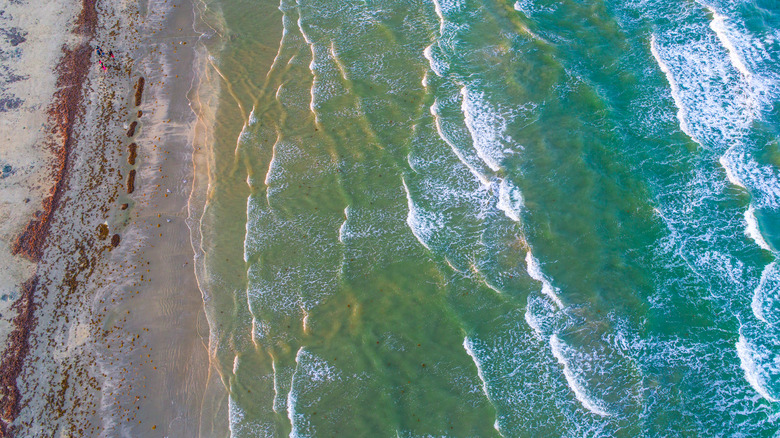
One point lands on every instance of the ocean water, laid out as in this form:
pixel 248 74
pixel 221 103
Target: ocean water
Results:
pixel 495 218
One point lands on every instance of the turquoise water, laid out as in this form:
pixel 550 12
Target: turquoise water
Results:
pixel 487 218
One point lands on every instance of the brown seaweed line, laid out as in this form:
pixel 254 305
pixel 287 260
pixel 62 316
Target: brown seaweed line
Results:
pixel 131 130
pixel 133 153
pixel 131 181
pixel 13 357
pixel 64 113
pixel 139 90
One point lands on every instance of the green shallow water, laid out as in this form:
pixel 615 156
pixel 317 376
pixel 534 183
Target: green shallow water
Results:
pixel 456 218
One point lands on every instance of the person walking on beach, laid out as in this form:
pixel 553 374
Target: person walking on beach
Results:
pixel 111 54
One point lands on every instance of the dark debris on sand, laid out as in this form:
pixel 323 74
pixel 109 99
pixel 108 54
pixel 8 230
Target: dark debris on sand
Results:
pixel 64 113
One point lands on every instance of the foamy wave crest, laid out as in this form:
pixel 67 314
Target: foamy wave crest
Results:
pixel 748 55
pixel 535 271
pixel 751 360
pixel 444 8
pixel 541 314
pixel 486 126
pixel 239 425
pixel 675 88
pixel 718 25
pixel 235 415
pixel 532 319
pixel 715 104
pixel 529 7
pixel 438 64
pixel 468 345
pixel 559 351
pixel 467 161
pixel 250 213
pixel 766 296
pixel 343 226
pixel 763 181
pixel 422 223
pixel 309 381
pixel 728 166
pixel 752 230
pixel 292 398
pixel 510 200
pixel 523 6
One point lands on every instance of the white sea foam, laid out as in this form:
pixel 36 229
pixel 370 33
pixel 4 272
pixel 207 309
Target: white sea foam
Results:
pixel 468 345
pixel 747 54
pixel 543 316
pixel 510 200
pixel 752 230
pixel 282 40
pixel 255 328
pixel 482 179
pixel 443 8
pixel 717 96
pixel 235 415
pixel 729 168
pixel 452 265
pixel 337 61
pixel 486 127
pixel 535 271
pixel 305 320
pixel 440 14
pixel 423 224
pixel 249 207
pixel 316 369
pixel 271 168
pixel 312 69
pixel 577 387
pixel 754 374
pixel 675 88
pixel 718 25
pixel 292 397
pixel 763 180
pixel 532 320
pixel 483 278
pixel 766 294
pixel 277 402
pixel 522 6
pixel 243 135
pixel 757 303
pixel 344 224
pixel 252 120
pixel 438 65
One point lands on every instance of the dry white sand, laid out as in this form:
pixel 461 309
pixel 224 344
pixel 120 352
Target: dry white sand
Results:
pixel 31 40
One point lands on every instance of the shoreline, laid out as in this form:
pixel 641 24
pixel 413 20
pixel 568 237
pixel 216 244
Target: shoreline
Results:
pixel 71 367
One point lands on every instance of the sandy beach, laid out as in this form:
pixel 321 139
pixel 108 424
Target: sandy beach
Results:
pixel 102 318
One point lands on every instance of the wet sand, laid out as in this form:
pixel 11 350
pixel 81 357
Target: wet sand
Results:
pixel 114 339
